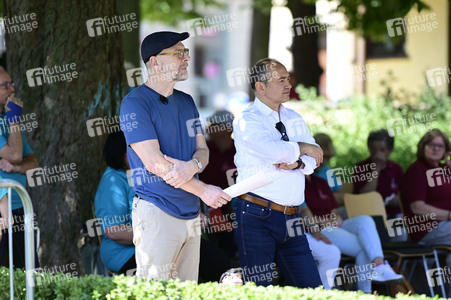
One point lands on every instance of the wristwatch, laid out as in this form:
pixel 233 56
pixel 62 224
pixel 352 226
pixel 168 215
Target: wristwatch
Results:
pixel 199 164
pixel 300 162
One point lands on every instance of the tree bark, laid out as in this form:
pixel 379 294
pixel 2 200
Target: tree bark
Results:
pixel 305 47
pixel 259 37
pixel 62 109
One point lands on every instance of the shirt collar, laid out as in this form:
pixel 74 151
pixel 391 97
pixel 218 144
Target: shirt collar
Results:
pixel 264 109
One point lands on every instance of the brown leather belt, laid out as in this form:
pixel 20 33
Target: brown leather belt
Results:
pixel 288 210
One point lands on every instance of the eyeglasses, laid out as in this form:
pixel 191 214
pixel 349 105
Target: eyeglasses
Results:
pixel 7 84
pixel 181 53
pixel 283 131
pixel 438 146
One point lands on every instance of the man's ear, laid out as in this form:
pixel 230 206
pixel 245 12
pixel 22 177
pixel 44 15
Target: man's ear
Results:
pixel 153 60
pixel 260 87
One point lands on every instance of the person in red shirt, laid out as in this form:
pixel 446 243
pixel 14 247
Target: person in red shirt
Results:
pixel 390 175
pixel 426 191
pixel 356 237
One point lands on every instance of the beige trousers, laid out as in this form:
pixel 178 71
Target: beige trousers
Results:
pixel 165 247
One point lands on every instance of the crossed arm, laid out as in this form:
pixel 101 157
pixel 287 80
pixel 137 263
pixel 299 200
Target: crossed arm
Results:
pixel 180 173
pixel 422 208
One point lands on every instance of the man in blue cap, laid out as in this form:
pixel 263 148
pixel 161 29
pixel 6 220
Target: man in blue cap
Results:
pixel 169 147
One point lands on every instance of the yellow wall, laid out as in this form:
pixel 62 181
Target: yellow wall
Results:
pixel 425 50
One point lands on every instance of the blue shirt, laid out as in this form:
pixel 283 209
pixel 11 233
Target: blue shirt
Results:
pixel 113 206
pixel 16 203
pixel 3 192
pixel 322 174
pixel 175 126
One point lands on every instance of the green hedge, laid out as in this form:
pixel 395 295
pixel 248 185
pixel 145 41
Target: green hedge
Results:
pixel 351 120
pixel 60 286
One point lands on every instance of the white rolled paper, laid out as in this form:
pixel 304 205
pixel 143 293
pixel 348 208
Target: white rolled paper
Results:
pixel 254 182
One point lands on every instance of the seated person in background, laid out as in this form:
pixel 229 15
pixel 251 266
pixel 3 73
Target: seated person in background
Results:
pixel 113 207
pixel 222 151
pixel 390 175
pixel 426 191
pixel 325 142
pixel 293 94
pixel 326 255
pixel 4 211
pixel 356 237
pixel 219 246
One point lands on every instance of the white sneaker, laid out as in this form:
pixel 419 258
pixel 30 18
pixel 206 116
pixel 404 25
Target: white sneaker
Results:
pixel 384 273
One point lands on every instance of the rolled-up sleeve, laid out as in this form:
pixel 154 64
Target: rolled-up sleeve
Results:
pixel 309 164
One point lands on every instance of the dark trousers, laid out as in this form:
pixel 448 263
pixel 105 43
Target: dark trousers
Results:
pixel 128 266
pixel 18 241
pixel 263 241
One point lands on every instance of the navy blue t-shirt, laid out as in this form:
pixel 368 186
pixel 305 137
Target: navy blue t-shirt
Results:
pixel 171 125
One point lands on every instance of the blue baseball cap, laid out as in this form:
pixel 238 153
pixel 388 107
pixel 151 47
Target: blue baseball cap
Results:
pixel 155 42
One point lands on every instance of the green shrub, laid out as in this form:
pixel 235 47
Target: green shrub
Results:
pixel 350 121
pixel 59 286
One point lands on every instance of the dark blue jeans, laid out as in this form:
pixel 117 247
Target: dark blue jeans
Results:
pixel 263 241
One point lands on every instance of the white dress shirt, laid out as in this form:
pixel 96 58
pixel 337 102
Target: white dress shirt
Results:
pixel 259 145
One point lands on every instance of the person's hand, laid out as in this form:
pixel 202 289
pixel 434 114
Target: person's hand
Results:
pixel 214 197
pixel 313 151
pixel 4 224
pixel 6 166
pixel 13 109
pixel 321 237
pixel 12 98
pixel 181 173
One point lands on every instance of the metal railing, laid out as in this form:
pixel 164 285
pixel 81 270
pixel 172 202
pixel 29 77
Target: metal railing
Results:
pixel 29 236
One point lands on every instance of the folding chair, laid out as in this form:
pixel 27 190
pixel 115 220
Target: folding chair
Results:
pixel 372 204
pixel 437 249
pixel 348 187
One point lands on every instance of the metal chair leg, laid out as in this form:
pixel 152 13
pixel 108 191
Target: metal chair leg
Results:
pixel 426 269
pixel 437 263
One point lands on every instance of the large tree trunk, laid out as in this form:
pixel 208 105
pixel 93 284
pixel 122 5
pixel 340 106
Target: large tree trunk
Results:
pixel 305 47
pixel 130 40
pixel 259 37
pixel 63 108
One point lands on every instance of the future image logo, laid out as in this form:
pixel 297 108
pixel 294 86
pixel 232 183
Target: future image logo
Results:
pixel 439 276
pixel 411 24
pixel 438 176
pixel 438 76
pixel 56 73
pixel 136 76
pixel 411 124
pixel 338 176
pixel 417 223
pixel 212 25
pixel 106 25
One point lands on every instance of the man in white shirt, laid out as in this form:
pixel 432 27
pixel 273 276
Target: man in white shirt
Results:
pixel 273 138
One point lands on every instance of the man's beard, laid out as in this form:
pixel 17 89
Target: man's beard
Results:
pixel 181 75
